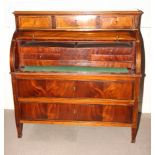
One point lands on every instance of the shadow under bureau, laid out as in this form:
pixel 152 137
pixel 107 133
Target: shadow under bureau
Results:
pixel 76 68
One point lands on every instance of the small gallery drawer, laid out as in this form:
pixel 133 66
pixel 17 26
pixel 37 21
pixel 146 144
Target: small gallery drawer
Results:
pixel 42 111
pixel 105 89
pixel 75 21
pixel 124 22
pixel 101 57
pixel 33 22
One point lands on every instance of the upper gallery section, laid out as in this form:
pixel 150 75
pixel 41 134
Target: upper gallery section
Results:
pixel 75 20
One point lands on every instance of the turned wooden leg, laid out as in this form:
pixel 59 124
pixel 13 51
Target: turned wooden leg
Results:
pixel 19 129
pixel 133 133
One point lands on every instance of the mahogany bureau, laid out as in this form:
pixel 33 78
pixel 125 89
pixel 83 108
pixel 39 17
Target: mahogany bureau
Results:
pixel 76 68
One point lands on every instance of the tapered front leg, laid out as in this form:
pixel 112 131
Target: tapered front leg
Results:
pixel 19 127
pixel 133 134
pixel 135 117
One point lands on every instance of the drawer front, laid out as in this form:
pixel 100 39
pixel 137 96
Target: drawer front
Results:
pixel 76 22
pixel 121 114
pixel 34 22
pixel 44 111
pixel 105 89
pixel 71 112
pixel 77 89
pixel 101 57
pixel 118 22
pixel 45 88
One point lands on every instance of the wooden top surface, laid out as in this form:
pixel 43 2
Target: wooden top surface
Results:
pixel 76 12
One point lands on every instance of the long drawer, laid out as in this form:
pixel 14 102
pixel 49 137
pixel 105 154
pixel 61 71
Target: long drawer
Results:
pixel 44 111
pixel 75 89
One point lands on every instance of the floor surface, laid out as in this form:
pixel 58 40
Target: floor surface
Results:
pixel 75 140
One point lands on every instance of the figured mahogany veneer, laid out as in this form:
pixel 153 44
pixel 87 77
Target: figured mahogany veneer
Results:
pixel 78 20
pixel 41 111
pixel 75 89
pixel 30 22
pixel 100 39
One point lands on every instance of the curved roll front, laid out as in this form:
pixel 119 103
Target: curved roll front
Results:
pixel 13 50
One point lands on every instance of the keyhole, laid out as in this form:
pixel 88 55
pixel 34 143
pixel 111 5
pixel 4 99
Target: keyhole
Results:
pixel 117 37
pixel 74 88
pixel 35 22
pixel 76 22
pixel 116 20
pixel 74 111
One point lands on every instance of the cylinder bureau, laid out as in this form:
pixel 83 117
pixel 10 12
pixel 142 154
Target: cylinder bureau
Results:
pixel 75 67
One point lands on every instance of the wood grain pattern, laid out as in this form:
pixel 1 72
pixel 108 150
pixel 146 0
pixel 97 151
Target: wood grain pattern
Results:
pixel 49 88
pixel 77 35
pixel 47 111
pixel 78 21
pixel 105 90
pixel 76 76
pixel 125 22
pixel 82 89
pixel 82 123
pixel 85 101
pixel 104 113
pixel 34 22
pixel 39 111
pixel 120 12
pixel 110 64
